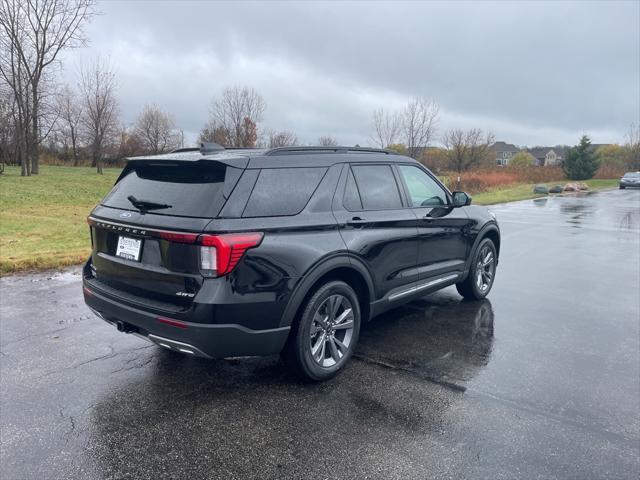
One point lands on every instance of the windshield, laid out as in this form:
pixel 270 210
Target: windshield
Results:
pixel 632 175
pixel 181 190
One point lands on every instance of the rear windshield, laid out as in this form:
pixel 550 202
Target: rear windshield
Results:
pixel 180 190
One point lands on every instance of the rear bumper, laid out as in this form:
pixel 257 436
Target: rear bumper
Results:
pixel 205 340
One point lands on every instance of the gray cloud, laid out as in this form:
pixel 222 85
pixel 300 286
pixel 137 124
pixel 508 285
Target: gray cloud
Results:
pixel 541 72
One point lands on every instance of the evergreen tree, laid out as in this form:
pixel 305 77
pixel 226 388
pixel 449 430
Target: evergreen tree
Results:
pixel 581 162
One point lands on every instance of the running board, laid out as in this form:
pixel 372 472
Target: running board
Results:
pixel 422 286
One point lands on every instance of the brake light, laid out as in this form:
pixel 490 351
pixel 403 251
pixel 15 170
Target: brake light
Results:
pixel 179 237
pixel 219 254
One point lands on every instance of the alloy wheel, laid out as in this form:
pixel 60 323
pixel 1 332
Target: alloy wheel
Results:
pixel 331 330
pixel 485 269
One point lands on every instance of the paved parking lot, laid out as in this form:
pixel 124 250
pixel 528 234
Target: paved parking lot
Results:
pixel 542 380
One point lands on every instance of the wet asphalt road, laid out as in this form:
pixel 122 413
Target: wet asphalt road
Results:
pixel 542 380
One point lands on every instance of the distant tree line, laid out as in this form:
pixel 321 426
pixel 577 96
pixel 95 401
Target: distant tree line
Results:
pixel 81 123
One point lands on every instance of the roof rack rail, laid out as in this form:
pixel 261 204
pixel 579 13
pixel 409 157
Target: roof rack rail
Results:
pixel 324 150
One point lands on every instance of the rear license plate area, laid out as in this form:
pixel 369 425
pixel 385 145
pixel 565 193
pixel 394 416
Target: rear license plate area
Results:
pixel 129 248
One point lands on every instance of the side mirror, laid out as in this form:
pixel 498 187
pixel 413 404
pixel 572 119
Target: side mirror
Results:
pixel 461 199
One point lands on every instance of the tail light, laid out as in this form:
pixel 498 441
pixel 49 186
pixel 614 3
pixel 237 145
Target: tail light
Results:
pixel 219 254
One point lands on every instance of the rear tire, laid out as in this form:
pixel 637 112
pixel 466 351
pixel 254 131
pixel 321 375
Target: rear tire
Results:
pixel 325 334
pixel 482 273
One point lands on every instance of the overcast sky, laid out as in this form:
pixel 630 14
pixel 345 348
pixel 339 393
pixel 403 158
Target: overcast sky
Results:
pixel 533 73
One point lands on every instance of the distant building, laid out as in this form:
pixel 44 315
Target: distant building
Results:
pixel 549 156
pixel 503 152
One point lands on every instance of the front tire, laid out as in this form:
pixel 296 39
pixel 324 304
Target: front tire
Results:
pixel 478 283
pixel 622 187
pixel 324 336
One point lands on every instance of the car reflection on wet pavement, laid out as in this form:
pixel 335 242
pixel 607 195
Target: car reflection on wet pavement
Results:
pixel 541 380
pixel 445 341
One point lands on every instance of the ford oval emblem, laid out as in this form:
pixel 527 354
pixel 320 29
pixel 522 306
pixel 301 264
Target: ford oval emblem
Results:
pixel 125 214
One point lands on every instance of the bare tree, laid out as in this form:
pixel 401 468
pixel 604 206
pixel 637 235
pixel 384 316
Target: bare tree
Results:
pixel 156 130
pixel 127 143
pixel 229 114
pixel 419 121
pixel 15 80
pixel 70 112
pixel 211 132
pixel 327 141
pixel 468 148
pixel 386 127
pixel 7 125
pixel 33 33
pixel 633 147
pixel 283 138
pixel 100 116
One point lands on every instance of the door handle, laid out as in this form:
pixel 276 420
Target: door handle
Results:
pixel 356 221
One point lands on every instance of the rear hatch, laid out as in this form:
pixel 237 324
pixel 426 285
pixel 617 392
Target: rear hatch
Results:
pixel 143 232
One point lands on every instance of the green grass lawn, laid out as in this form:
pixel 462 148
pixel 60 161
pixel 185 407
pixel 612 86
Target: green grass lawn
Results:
pixel 524 191
pixel 43 217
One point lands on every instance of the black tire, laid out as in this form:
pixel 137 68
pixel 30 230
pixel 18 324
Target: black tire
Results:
pixel 297 353
pixel 470 287
pixel 622 187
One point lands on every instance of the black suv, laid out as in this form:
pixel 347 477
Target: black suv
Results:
pixel 220 253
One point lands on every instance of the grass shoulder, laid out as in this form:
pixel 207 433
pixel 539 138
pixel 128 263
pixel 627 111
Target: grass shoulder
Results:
pixel 43 217
pixel 524 191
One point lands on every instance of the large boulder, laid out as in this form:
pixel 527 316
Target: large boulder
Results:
pixel 575 187
pixel 556 189
pixel 541 188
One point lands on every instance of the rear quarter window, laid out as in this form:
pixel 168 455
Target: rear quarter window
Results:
pixel 282 191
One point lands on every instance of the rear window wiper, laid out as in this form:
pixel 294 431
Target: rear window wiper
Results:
pixel 141 204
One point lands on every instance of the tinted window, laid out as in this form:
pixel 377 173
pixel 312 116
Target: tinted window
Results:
pixel 191 191
pixel 352 200
pixel 282 191
pixel 424 191
pixel 377 187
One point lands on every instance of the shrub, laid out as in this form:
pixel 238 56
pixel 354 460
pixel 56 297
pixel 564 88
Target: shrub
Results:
pixel 474 181
pixel 608 170
pixel 533 174
pixel 612 156
pixel 480 180
pixel 522 159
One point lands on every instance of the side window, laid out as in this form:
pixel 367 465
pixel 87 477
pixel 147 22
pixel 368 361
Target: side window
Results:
pixel 377 186
pixel 424 191
pixel 352 201
pixel 282 191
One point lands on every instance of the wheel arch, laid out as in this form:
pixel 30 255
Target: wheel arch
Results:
pixel 345 268
pixel 490 231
